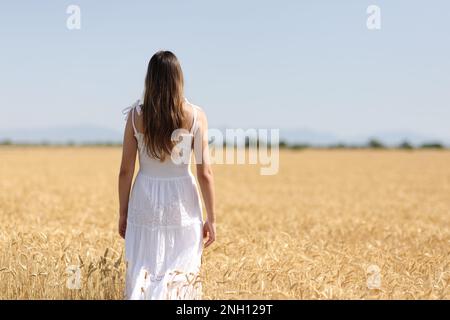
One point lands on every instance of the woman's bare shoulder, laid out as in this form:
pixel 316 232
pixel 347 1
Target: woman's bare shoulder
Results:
pixel 200 112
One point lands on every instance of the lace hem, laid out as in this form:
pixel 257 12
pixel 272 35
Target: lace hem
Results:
pixel 179 285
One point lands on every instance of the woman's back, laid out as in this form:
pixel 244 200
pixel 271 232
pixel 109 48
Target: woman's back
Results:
pixel 169 168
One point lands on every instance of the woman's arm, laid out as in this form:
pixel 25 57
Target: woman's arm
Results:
pixel 126 173
pixel 206 179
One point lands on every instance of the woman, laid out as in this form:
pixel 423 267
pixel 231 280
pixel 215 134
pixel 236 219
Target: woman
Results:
pixel 161 220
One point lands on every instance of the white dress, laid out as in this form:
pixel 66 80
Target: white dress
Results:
pixel 163 240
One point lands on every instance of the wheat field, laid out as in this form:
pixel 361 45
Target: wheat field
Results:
pixel 323 228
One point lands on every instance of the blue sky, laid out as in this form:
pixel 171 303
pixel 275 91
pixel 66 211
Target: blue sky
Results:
pixel 288 64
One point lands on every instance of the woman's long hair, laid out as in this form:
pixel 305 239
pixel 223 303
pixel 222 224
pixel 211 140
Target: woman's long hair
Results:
pixel 163 103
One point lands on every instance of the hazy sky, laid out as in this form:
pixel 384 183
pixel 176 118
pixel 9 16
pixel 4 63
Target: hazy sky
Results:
pixel 285 64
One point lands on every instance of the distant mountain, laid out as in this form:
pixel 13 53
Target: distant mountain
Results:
pixel 393 138
pixel 323 138
pixel 308 136
pixel 95 134
pixel 77 134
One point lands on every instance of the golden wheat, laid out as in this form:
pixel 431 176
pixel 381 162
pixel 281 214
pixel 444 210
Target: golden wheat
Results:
pixel 316 230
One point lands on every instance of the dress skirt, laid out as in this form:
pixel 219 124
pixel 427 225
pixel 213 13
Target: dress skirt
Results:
pixel 163 240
